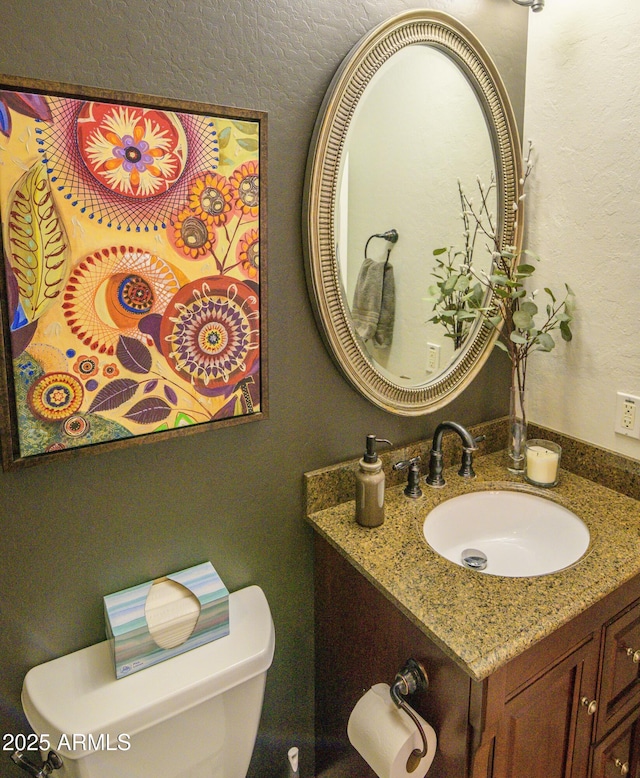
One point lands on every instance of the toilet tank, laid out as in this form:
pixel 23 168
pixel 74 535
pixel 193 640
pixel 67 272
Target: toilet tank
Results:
pixel 193 716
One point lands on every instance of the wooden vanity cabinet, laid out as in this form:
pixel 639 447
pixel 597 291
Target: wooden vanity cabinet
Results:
pixel 544 730
pixel 568 707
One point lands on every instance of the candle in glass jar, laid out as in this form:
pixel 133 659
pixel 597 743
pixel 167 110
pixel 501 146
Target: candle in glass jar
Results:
pixel 542 464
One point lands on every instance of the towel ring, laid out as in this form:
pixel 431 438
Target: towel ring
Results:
pixel 390 235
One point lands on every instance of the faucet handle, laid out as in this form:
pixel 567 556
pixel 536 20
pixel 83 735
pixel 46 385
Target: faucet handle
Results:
pixel 412 489
pixel 403 464
pixel 477 440
pixel 466 467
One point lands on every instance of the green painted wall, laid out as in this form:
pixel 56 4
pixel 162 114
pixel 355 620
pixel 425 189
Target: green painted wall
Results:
pixel 74 531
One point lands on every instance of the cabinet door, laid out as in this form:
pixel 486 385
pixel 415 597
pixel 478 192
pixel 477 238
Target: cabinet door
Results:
pixel 619 752
pixel 546 728
pixel 620 686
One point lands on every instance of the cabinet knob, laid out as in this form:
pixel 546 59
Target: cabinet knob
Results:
pixel 590 705
pixel 622 766
pixel 634 655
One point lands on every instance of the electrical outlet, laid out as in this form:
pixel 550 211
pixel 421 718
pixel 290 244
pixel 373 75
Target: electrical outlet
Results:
pixel 628 415
pixel 433 357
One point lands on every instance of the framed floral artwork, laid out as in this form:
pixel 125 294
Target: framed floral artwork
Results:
pixel 133 294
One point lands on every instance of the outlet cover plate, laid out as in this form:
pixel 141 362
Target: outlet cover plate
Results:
pixel 627 415
pixel 433 357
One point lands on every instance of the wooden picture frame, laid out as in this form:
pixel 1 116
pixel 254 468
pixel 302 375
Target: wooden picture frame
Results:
pixel 133 295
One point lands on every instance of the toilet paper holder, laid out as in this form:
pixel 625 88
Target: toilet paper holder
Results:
pixel 411 678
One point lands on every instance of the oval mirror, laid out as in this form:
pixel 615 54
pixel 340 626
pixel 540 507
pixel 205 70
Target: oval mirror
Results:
pixel 416 118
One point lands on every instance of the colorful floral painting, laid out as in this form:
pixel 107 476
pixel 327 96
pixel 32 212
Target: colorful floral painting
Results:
pixel 132 274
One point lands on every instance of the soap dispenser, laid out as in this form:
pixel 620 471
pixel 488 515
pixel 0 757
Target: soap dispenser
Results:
pixel 370 486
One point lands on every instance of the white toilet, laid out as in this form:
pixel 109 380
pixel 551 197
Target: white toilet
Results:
pixel 193 716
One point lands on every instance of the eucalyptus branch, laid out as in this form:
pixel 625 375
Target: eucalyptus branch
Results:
pixel 523 331
pixel 460 291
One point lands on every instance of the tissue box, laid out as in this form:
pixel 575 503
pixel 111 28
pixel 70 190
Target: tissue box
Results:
pixel 157 620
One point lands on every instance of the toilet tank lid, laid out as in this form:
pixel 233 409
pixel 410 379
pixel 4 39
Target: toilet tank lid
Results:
pixel 79 694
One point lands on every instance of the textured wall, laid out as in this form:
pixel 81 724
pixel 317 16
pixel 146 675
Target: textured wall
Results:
pixel 74 531
pixel 583 107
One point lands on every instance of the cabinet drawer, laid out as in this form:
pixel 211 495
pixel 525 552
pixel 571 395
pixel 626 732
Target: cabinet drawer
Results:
pixel 617 755
pixel 620 683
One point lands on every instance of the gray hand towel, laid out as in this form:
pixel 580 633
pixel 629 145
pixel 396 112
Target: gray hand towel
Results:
pixel 374 303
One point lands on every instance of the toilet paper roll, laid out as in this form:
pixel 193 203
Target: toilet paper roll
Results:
pixel 385 736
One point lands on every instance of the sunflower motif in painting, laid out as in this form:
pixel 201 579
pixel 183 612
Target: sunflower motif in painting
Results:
pixel 192 235
pixel 246 186
pixel 249 253
pixel 211 198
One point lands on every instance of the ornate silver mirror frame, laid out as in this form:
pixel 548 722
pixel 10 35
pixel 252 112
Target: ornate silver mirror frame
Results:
pixel 439 30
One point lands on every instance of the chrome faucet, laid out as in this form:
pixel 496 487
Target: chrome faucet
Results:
pixel 434 478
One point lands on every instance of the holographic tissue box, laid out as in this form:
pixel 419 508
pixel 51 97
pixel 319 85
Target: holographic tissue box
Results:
pixel 157 620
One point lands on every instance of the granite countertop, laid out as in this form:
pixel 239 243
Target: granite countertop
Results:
pixel 482 621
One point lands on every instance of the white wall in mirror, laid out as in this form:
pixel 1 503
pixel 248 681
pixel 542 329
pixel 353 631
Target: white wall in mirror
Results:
pixel 583 218
pixel 411 138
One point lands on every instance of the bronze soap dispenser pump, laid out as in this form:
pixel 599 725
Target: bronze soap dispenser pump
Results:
pixel 370 480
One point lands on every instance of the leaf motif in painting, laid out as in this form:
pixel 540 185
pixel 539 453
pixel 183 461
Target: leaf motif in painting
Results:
pixel 28 104
pixel 248 144
pixel 249 128
pixel 32 105
pixel 134 355
pixel 224 137
pixel 113 395
pixel 38 244
pixel 148 411
pixel 170 395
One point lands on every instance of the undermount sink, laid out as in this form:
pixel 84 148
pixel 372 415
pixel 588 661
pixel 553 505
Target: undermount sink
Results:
pixel 505 532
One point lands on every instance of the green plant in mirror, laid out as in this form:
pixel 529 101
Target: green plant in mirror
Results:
pixel 524 324
pixel 457 294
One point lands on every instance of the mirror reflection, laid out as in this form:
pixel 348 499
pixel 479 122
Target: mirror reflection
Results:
pixel 413 118
pixel 418 138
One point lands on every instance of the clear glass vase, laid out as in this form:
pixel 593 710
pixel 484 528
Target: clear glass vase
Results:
pixel 517 432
